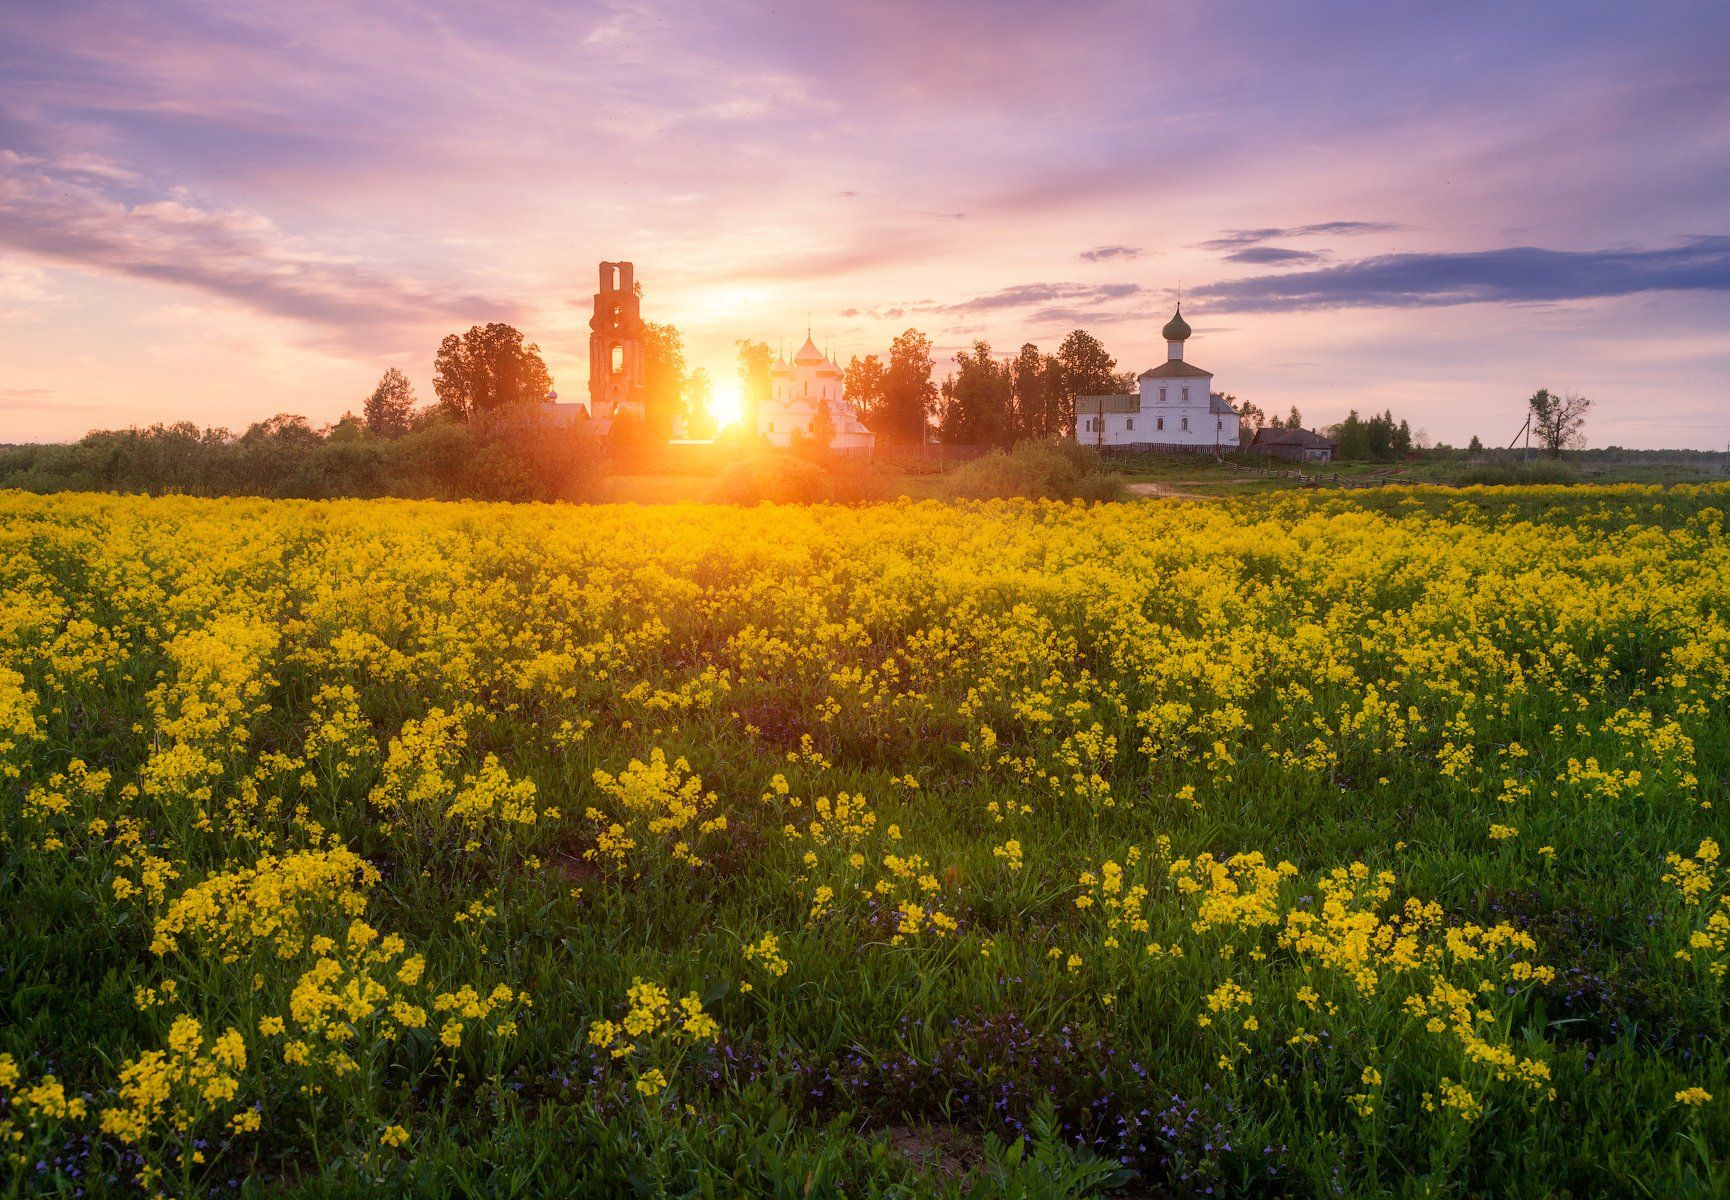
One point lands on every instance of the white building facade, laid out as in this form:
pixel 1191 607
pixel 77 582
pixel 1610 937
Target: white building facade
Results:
pixel 1173 406
pixel 798 391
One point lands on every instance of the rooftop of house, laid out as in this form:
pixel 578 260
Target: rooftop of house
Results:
pixel 1307 439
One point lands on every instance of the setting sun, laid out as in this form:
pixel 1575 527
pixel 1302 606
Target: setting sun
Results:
pixel 727 404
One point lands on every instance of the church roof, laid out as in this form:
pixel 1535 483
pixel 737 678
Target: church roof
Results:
pixel 1176 369
pixel 1219 407
pixel 1176 329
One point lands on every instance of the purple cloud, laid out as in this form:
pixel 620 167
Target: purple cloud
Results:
pixel 65 213
pixel 1268 256
pixel 1236 238
pixel 1103 253
pixel 1023 295
pixel 1519 274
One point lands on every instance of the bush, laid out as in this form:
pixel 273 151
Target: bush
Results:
pixel 503 458
pixel 783 477
pixel 1054 469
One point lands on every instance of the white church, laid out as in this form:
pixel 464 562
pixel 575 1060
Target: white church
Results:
pixel 798 391
pixel 1175 406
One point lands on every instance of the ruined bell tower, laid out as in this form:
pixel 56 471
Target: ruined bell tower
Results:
pixel 616 346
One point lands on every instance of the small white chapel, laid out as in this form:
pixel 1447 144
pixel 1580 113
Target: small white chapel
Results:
pixel 1174 406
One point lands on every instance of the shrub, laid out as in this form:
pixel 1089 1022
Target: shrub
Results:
pixel 1053 469
pixel 782 477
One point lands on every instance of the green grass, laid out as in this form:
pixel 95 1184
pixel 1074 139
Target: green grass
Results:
pixel 1579 624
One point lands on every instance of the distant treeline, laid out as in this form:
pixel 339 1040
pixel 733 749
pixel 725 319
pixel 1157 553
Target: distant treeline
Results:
pixel 507 458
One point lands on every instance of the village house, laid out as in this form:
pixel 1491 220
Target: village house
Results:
pixel 1301 445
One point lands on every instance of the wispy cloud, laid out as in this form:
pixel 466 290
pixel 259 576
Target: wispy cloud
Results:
pixel 65 213
pixel 1268 256
pixel 1520 274
pixel 37 400
pixel 1026 294
pixel 1104 253
pixel 1235 238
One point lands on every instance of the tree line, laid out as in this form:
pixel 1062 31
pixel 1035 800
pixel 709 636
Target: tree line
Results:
pixel 985 400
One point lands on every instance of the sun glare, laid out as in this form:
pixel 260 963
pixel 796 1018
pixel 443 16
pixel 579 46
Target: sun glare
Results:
pixel 726 404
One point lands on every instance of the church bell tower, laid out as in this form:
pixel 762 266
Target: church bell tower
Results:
pixel 616 346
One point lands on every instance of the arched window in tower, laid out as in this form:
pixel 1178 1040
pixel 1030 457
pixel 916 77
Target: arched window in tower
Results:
pixel 1186 424
pixel 1160 424
pixel 1162 395
pixel 617 355
pixel 1186 395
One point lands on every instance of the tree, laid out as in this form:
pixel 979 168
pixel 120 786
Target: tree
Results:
pixel 349 429
pixel 907 390
pixel 1294 420
pixel 862 384
pixel 486 368
pixel 289 429
pixel 1558 422
pixel 1034 380
pixel 1377 439
pixel 390 406
pixel 699 398
pixel 1085 369
pixel 663 378
pixel 755 362
pixel 822 435
pixel 1476 445
pixel 978 405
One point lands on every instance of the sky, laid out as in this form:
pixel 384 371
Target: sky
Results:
pixel 217 212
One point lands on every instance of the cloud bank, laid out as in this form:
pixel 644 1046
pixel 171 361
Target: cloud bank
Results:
pixel 1518 275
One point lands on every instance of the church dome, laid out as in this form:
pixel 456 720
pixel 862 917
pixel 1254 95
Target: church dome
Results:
pixel 808 353
pixel 1176 329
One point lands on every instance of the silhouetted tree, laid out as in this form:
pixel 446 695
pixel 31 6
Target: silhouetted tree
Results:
pixel 1085 369
pixel 699 399
pixel 907 390
pixel 1037 382
pixel 755 361
pixel 1249 414
pixel 488 367
pixel 862 383
pixel 663 378
pixel 349 428
pixel 978 404
pixel 1377 439
pixel 390 406
pixel 822 435
pixel 1558 422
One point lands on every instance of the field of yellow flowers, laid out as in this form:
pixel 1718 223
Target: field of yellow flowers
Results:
pixel 1291 846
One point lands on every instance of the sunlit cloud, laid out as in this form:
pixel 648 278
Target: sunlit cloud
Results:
pixel 61 214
